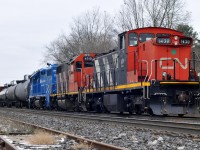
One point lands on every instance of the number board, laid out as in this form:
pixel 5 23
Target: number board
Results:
pixel 87 58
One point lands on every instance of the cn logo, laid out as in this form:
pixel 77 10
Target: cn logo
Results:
pixel 182 65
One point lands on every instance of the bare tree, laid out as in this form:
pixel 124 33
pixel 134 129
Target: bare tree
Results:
pixel 90 32
pixel 131 15
pixel 58 51
pixel 155 13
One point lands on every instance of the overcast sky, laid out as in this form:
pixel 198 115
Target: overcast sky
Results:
pixel 27 26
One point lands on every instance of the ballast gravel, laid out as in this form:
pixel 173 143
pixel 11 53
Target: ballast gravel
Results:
pixel 119 135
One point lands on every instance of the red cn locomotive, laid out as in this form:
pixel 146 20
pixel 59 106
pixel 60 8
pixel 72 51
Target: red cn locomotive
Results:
pixel 151 72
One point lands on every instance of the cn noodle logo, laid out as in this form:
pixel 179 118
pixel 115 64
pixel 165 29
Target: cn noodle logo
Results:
pixel 182 65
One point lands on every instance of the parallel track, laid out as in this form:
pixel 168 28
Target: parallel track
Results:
pixel 171 124
pixel 94 144
pixel 6 145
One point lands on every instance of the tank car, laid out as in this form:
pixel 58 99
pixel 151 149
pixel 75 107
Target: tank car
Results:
pixel 3 96
pixel 22 92
pixel 10 95
pixel 42 85
pixel 1 88
pixel 16 93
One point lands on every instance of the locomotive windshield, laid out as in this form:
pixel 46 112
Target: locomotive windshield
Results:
pixel 88 64
pixel 163 35
pixel 146 36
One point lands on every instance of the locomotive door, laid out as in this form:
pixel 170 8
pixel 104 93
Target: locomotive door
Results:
pixel 79 72
pixel 122 60
pixel 174 62
pixel 122 67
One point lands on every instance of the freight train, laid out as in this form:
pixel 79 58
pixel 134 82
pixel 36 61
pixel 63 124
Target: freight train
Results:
pixel 152 71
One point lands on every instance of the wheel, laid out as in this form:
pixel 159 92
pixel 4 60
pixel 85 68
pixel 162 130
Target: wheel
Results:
pixel 138 110
pixel 150 111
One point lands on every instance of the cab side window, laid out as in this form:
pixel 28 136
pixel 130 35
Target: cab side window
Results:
pixel 122 42
pixel 43 72
pixel 133 39
pixel 49 72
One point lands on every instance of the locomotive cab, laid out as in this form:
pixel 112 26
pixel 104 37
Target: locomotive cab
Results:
pixel 164 60
pixel 81 72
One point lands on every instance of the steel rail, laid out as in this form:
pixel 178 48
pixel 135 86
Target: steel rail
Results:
pixel 94 114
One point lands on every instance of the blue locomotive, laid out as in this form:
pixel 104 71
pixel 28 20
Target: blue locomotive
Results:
pixel 42 85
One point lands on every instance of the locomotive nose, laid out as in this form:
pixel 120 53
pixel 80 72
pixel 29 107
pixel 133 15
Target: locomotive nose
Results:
pixel 183 97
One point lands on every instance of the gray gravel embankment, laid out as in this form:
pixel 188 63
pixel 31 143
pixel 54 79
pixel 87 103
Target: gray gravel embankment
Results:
pixel 119 135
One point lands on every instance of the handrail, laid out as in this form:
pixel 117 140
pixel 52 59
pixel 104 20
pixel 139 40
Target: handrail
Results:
pixel 151 69
pixel 147 69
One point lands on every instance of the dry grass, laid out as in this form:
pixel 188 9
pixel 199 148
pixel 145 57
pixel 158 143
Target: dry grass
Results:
pixel 61 136
pixel 81 146
pixel 42 138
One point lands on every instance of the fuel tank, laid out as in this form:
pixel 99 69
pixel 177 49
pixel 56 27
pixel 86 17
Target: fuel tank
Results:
pixel 65 104
pixel 22 90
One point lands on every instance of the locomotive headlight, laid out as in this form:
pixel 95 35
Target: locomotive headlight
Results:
pixel 162 40
pixel 185 41
pixel 175 37
pixel 164 75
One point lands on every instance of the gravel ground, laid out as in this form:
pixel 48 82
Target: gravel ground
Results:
pixel 119 135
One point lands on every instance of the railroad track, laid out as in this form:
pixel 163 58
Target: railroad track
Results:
pixel 94 144
pixel 115 115
pixel 171 124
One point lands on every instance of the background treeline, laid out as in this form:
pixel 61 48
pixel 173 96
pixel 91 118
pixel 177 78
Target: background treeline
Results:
pixel 96 30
